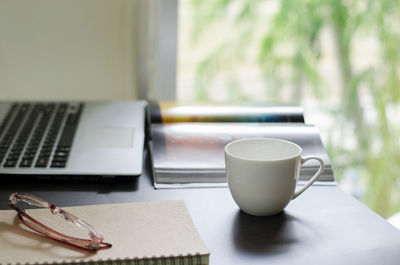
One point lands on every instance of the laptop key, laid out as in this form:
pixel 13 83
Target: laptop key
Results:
pixel 67 136
pixel 28 156
pixel 65 149
pixel 10 163
pixel 61 154
pixel 42 162
pixel 73 118
pixel 59 159
pixel 45 153
pixel 58 164
pixel 26 163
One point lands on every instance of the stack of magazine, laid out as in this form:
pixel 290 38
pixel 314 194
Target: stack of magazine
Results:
pixel 187 141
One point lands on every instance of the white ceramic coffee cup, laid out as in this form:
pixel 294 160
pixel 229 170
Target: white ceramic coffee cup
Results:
pixel 263 172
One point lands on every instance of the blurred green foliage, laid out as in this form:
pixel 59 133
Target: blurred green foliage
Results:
pixel 287 49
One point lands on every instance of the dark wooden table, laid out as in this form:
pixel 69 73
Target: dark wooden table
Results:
pixel 322 226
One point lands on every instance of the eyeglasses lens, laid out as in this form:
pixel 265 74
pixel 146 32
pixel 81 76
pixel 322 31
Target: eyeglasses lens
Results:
pixel 54 224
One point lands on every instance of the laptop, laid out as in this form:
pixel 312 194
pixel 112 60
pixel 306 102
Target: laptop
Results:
pixel 72 139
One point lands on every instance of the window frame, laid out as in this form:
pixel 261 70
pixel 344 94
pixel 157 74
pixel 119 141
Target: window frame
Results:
pixel 157 49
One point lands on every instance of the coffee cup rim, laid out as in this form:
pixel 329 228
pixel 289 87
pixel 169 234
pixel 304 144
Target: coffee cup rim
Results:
pixel 300 150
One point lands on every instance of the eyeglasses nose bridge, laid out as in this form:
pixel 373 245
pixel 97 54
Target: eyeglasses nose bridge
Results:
pixel 54 209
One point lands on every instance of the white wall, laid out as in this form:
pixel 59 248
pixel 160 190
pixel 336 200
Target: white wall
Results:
pixel 67 49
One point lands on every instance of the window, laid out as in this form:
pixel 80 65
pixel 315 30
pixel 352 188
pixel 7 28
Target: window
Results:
pixel 338 59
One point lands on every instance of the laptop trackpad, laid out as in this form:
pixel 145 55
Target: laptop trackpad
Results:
pixel 109 137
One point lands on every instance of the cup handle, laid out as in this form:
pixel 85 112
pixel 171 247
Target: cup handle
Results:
pixel 314 178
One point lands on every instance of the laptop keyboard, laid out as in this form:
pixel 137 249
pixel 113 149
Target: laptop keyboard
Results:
pixel 38 135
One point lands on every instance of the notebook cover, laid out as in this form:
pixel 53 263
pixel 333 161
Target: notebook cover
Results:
pixel 149 232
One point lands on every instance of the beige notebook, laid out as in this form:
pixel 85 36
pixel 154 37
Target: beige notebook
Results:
pixel 141 233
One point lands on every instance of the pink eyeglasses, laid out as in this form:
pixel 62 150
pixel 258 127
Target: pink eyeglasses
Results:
pixel 93 244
